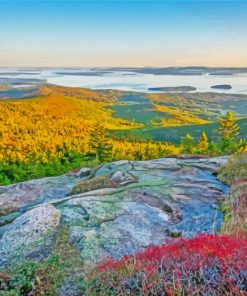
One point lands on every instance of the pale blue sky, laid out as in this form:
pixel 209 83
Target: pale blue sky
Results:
pixel 123 33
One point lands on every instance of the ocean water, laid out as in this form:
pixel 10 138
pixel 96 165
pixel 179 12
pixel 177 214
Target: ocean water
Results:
pixel 127 80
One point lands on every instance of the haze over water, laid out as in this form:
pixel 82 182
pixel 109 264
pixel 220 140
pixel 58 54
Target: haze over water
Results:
pixel 128 80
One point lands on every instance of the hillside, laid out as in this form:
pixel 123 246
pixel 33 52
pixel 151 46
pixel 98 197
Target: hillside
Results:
pixel 91 212
pixel 61 128
pixel 55 231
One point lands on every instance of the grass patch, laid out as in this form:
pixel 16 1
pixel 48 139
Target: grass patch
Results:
pixel 235 204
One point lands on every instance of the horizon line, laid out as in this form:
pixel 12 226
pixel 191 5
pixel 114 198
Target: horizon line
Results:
pixel 127 67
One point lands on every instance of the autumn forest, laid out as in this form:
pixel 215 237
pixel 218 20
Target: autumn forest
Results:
pixel 63 128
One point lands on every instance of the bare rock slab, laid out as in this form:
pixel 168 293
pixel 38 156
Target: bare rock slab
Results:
pixel 28 231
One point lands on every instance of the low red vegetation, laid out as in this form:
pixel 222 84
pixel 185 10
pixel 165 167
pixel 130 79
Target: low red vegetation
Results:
pixel 240 182
pixel 204 265
pixel 243 197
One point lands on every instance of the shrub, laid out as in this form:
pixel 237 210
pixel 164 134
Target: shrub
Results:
pixel 235 204
pixel 204 265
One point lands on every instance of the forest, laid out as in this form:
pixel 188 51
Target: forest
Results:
pixel 62 129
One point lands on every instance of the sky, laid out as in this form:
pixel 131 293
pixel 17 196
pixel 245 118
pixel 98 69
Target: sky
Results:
pixel 87 33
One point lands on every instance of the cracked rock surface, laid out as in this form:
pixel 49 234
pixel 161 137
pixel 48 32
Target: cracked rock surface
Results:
pixel 121 208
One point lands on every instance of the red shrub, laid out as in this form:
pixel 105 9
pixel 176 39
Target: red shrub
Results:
pixel 204 265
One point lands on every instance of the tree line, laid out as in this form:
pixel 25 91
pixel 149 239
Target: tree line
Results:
pixel 101 145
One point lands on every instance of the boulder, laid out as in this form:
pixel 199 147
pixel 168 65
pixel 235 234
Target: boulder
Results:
pixel 121 178
pixel 28 231
pixel 82 173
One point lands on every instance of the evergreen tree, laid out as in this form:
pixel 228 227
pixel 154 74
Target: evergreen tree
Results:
pixel 202 145
pixel 228 133
pixel 188 143
pixel 138 155
pixel 213 148
pixel 99 144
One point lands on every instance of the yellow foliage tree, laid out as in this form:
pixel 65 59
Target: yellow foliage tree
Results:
pixel 202 145
pixel 228 133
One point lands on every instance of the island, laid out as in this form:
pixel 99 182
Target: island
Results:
pixel 84 73
pixel 222 86
pixel 173 89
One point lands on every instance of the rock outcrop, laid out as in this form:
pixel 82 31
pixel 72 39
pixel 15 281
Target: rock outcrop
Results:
pixel 28 232
pixel 121 208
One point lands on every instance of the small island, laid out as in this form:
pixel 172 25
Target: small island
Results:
pixel 84 73
pixel 222 86
pixel 173 89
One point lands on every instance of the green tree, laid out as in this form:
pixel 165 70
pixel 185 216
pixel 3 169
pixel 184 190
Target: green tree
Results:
pixel 228 132
pixel 202 145
pixel 138 155
pixel 160 152
pixel 100 146
pixel 213 148
pixel 188 143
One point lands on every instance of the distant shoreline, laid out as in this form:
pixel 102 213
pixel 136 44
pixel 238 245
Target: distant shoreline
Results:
pixel 147 79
